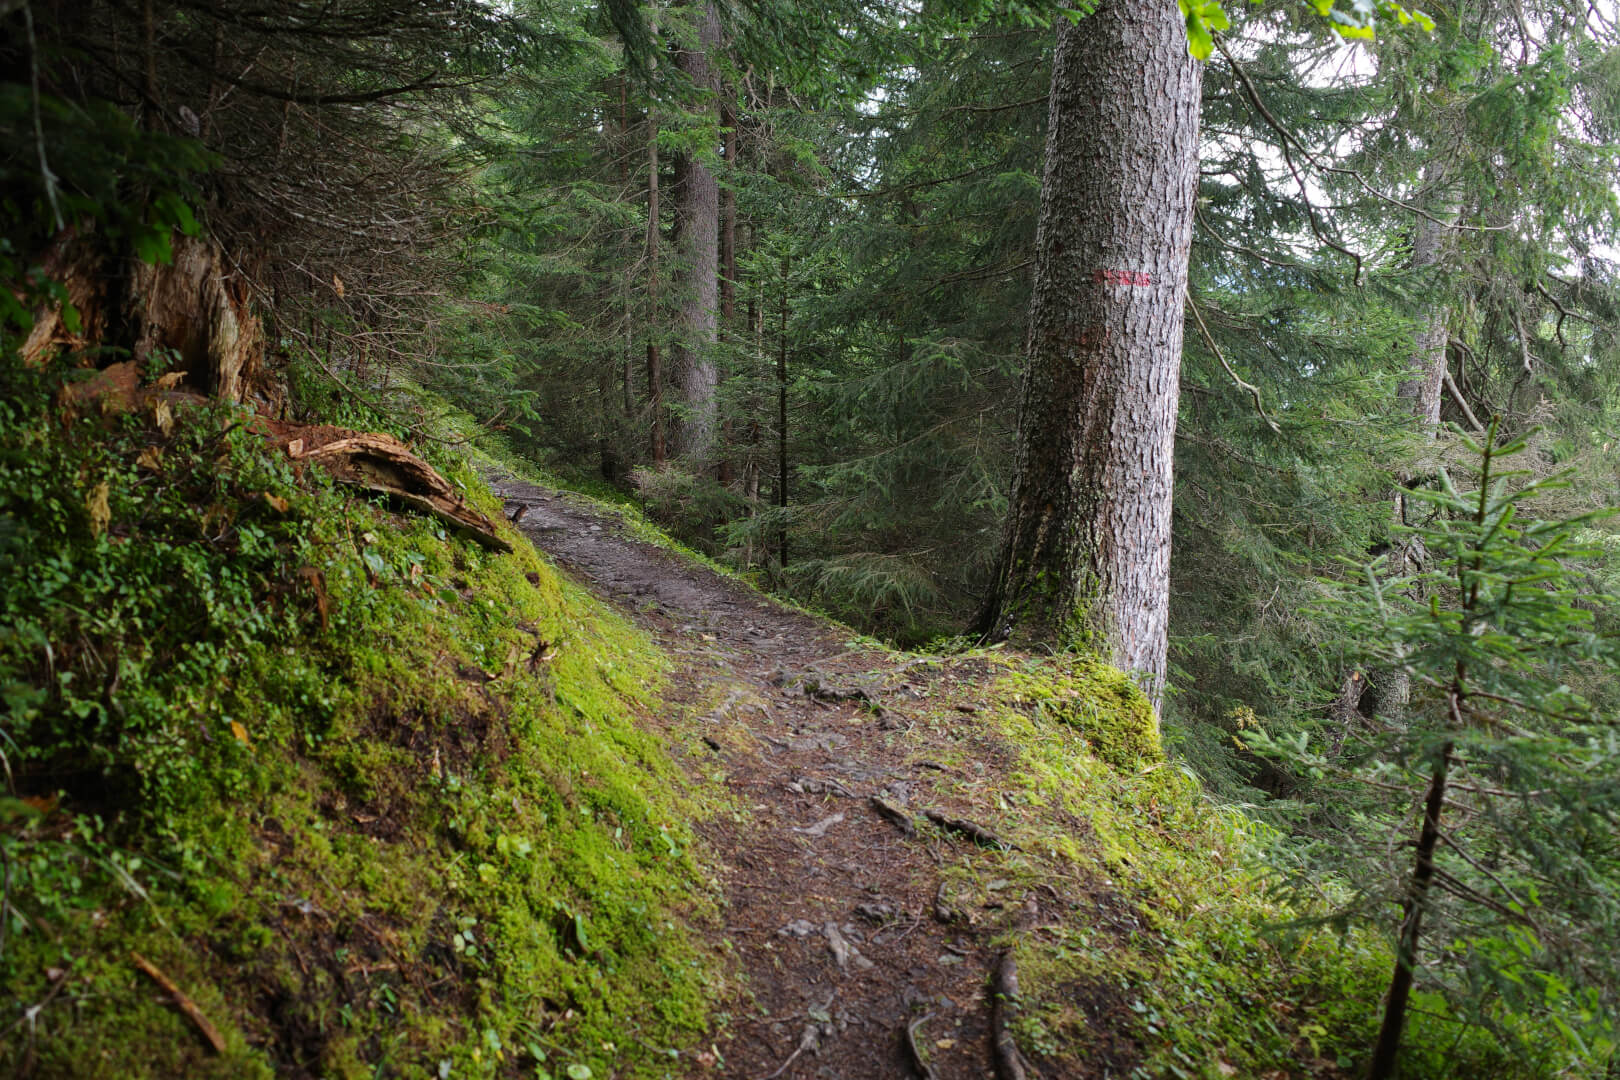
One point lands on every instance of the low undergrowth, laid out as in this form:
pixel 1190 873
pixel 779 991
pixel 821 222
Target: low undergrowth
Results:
pixel 371 797
pixel 1171 956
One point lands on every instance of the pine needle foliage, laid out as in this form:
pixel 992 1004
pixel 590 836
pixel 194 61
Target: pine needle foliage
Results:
pixel 1502 775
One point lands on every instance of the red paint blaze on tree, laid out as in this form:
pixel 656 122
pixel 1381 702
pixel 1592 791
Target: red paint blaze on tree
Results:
pixel 1086 554
pixel 1122 277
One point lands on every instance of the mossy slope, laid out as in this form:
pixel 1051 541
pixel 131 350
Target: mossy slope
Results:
pixel 374 799
pixel 377 801
pixel 1149 942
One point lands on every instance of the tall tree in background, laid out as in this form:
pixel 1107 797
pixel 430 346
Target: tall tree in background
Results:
pixel 1087 547
pixel 697 225
pixel 655 368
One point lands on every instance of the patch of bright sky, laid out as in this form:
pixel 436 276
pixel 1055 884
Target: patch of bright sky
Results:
pixel 1331 62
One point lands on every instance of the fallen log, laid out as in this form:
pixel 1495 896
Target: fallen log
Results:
pixel 382 464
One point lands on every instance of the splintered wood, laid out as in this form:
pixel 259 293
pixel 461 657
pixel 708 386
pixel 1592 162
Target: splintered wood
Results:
pixel 383 464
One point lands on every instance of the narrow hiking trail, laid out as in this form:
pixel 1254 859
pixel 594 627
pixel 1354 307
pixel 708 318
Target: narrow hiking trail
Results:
pixel 857 958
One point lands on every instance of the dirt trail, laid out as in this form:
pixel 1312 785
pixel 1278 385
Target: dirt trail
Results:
pixel 836 918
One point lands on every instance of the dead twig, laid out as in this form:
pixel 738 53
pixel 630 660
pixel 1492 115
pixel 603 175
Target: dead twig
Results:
pixel 1253 390
pixel 182 1002
pixel 1456 395
pixel 31 1014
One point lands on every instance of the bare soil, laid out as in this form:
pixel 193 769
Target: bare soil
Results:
pixel 836 918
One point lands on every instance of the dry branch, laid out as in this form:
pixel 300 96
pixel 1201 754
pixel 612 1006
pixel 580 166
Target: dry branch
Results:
pixel 182 1002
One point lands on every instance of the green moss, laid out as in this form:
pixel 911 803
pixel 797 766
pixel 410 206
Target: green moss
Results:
pixel 1178 946
pixel 1097 700
pixel 407 818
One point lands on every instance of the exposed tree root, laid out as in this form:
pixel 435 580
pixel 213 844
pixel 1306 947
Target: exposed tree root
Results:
pixel 1003 995
pixel 382 464
pixel 944 911
pixel 977 833
pixel 918 1062
pixel 807 1041
pixel 894 815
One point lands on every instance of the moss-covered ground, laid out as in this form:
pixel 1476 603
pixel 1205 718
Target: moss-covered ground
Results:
pixel 1161 950
pixel 374 799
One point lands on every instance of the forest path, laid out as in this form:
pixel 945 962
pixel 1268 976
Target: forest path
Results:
pixel 836 919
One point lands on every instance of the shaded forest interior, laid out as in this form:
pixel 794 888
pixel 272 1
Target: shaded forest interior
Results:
pixel 1269 354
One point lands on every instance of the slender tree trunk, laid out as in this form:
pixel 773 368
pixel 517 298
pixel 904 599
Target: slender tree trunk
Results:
pixel 697 212
pixel 728 262
pixel 626 306
pixel 655 367
pixel 728 217
pixel 1086 554
pixel 1419 392
pixel 1388 691
pixel 782 419
pixel 1400 984
pixel 755 318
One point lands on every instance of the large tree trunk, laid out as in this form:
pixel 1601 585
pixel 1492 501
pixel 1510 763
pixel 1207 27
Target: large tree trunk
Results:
pixel 697 213
pixel 1086 556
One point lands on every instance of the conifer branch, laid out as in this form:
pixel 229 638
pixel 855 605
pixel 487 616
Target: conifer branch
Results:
pixel 1289 138
pixel 1254 391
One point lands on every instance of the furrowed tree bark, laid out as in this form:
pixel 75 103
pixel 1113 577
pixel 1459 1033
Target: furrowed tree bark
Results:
pixel 697 212
pixel 1086 553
